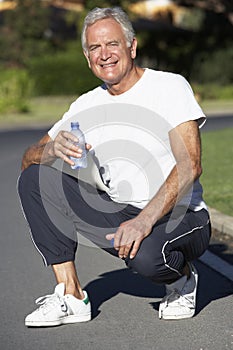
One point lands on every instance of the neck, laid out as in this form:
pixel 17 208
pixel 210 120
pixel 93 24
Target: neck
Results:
pixel 126 84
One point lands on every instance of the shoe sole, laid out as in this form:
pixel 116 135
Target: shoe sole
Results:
pixel 66 320
pixel 178 317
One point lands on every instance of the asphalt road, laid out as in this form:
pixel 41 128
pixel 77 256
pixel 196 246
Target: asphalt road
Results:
pixel 125 306
pixel 218 122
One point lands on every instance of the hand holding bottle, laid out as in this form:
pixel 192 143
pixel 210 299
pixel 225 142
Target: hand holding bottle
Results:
pixel 80 162
pixel 65 146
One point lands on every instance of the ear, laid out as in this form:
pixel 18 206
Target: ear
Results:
pixel 87 58
pixel 133 49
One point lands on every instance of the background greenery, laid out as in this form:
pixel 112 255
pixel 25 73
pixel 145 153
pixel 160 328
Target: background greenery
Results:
pixel 218 169
pixel 64 72
pixel 40 50
pixel 42 69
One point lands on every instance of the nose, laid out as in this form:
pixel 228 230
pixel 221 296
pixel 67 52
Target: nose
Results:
pixel 105 53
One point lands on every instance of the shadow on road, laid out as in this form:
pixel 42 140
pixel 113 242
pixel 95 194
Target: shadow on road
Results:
pixel 211 286
pixel 120 281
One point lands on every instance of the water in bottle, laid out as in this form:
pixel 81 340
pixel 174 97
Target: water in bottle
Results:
pixel 79 162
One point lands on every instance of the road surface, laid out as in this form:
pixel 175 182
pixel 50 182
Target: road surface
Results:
pixel 125 306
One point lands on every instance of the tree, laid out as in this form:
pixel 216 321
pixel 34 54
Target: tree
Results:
pixel 23 33
pixel 90 4
pixel 213 41
pixel 218 6
pixel 216 30
pixel 195 45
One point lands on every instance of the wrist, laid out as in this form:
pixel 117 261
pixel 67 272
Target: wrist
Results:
pixel 51 151
pixel 147 217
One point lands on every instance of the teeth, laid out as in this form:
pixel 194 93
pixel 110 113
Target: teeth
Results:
pixel 108 65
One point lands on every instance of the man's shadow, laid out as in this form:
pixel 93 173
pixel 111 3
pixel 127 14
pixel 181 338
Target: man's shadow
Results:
pixel 110 284
pixel 211 286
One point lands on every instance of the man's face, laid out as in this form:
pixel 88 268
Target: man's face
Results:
pixel 107 53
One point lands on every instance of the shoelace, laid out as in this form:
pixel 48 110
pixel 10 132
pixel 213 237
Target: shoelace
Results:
pixel 175 295
pixel 51 300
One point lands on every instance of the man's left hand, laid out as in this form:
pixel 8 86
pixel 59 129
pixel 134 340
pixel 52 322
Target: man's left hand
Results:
pixel 129 236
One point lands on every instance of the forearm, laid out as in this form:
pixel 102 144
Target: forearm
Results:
pixel 40 153
pixel 130 234
pixel 186 148
pixel 174 188
pixel 46 151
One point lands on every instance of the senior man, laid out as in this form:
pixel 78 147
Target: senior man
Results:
pixel 156 232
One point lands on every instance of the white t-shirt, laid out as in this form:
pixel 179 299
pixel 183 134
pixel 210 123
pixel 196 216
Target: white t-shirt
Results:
pixel 129 134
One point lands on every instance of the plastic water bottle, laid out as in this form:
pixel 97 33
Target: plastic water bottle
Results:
pixel 79 162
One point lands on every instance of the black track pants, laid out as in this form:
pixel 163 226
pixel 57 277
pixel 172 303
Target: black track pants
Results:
pixel 57 205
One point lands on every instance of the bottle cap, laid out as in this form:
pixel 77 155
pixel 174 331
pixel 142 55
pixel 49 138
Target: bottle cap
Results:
pixel 74 125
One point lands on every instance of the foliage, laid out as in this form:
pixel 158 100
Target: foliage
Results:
pixel 221 6
pixel 211 51
pixel 201 49
pixel 91 4
pixel 218 169
pixel 212 91
pixel 214 67
pixel 22 34
pixel 62 73
pixel 14 90
pixel 44 111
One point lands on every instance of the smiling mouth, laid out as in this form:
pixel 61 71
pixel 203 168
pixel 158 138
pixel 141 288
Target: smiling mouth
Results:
pixel 108 65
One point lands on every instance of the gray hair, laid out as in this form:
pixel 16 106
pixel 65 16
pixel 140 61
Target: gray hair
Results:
pixel 115 13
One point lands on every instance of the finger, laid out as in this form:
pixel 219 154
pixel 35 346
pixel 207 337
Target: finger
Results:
pixel 117 238
pixel 66 140
pixel 64 157
pixel 127 249
pixel 65 153
pixel 124 237
pixel 69 136
pixel 70 141
pixel 121 252
pixel 65 149
pixel 110 236
pixel 71 146
pixel 135 249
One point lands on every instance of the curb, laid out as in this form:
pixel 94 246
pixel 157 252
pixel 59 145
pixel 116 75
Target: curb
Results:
pixel 221 222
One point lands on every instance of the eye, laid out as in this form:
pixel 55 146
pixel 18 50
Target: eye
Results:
pixel 93 48
pixel 113 43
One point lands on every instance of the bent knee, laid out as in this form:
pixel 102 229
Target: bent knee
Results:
pixel 27 175
pixel 151 268
pixel 28 181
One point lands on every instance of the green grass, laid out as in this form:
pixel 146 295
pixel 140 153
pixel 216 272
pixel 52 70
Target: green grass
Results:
pixel 217 177
pixel 213 91
pixel 216 107
pixel 43 111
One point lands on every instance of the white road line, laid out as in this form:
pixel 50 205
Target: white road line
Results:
pixel 217 264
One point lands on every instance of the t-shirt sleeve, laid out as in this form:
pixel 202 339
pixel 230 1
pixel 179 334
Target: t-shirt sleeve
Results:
pixel 183 105
pixel 62 124
pixel 82 103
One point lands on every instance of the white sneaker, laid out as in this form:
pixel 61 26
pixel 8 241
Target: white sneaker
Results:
pixel 57 309
pixel 180 300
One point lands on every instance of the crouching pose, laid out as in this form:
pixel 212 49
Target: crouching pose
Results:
pixel 150 211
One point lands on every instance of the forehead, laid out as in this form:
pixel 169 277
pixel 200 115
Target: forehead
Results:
pixel 104 29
